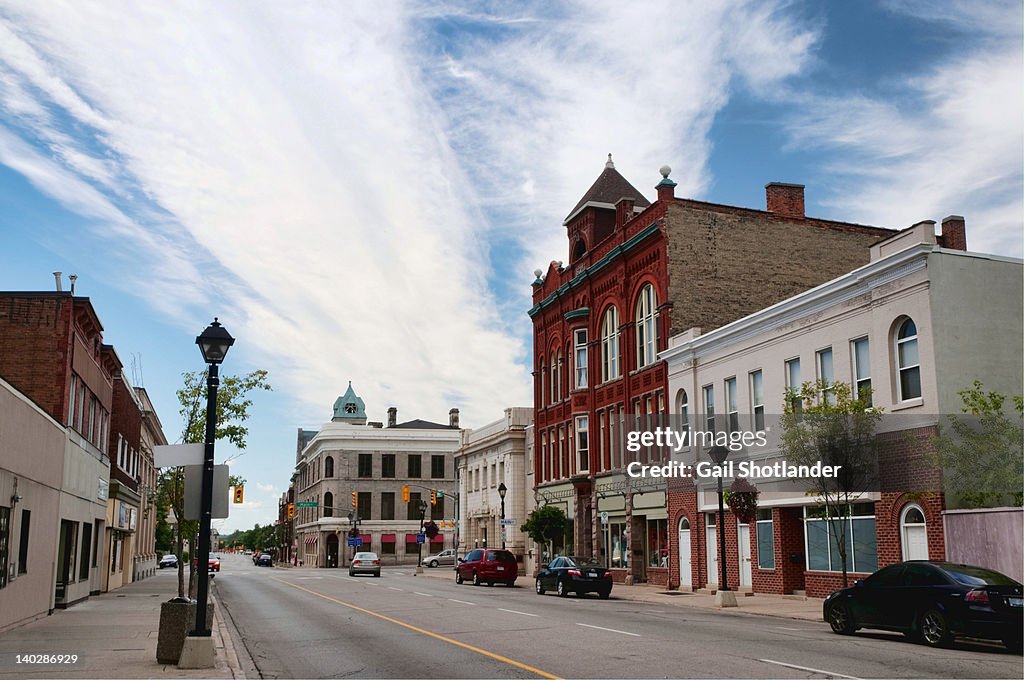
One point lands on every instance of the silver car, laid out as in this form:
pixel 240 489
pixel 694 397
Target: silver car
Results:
pixel 446 557
pixel 365 563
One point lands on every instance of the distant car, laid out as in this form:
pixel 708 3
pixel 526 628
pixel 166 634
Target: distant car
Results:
pixel 214 564
pixel 264 560
pixel 488 566
pixel 578 575
pixel 169 560
pixel 932 602
pixel 365 563
pixel 445 557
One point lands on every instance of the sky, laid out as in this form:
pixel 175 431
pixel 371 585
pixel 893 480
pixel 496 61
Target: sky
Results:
pixel 361 191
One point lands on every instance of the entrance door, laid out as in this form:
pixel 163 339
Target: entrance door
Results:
pixel 332 551
pixel 685 570
pixel 915 534
pixel 712 544
pixel 744 539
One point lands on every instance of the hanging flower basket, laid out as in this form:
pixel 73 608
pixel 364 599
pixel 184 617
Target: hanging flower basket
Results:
pixel 742 500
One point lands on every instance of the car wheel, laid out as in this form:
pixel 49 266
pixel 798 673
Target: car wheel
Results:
pixel 935 629
pixel 1013 644
pixel 476 578
pixel 510 584
pixel 433 564
pixel 840 620
pixel 351 573
pixel 561 589
pixel 458 577
pixel 605 594
pixel 377 574
pixel 540 587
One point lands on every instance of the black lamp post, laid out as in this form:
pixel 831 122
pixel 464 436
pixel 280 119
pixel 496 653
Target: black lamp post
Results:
pixel 419 544
pixel 718 454
pixel 213 343
pixel 502 490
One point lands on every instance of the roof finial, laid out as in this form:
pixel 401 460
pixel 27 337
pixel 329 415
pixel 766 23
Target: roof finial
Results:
pixel 609 164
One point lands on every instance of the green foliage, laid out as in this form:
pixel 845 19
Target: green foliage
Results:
pixel 546 523
pixel 982 454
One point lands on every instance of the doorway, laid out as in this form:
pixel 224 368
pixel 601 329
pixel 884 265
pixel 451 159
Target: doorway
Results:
pixel 685 568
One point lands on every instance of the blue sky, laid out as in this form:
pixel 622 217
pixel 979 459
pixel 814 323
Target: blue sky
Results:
pixel 361 191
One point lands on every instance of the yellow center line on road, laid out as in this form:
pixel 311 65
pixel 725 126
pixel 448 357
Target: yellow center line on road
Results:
pixel 436 636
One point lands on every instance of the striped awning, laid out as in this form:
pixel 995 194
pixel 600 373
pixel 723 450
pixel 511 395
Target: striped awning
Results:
pixel 311 539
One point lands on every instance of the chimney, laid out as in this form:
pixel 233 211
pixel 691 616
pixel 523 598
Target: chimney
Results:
pixel 392 416
pixel 666 187
pixel 624 211
pixel 785 199
pixel 954 233
pixel 453 418
pixel 72 278
pixel 56 276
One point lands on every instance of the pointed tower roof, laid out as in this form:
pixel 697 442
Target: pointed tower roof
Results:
pixel 606 191
pixel 349 408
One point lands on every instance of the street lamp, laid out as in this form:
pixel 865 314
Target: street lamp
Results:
pixel 419 543
pixel 213 343
pixel 718 454
pixel 502 490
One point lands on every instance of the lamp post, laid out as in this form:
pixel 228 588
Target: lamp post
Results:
pixel 723 597
pixel 502 490
pixel 419 544
pixel 213 343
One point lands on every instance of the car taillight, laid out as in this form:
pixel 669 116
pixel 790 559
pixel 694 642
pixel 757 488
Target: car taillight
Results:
pixel 376 561
pixel 574 572
pixel 607 574
pixel 977 597
pixel 355 561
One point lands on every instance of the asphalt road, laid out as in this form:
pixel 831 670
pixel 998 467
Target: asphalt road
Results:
pixel 319 623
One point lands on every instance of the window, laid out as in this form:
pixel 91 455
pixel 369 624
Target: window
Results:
pixel 437 510
pixel 582 444
pixel 556 372
pixel 542 380
pixel 825 376
pixel 5 540
pixel 861 369
pixel 329 466
pixel 580 338
pixel 908 362
pixel 415 466
pixel 413 509
pixel 26 517
pixel 765 540
pixel 646 327
pixel 683 409
pixel 709 408
pixel 732 413
pixel 823 534
pixel 365 501
pixel 387 505
pixel 616 545
pixel 793 385
pixel 757 399
pixel 437 466
pixel 366 465
pixel 83 573
pixel 610 345
pixel 328 504
pixel 387 465
pixel 657 543
pixel 71 400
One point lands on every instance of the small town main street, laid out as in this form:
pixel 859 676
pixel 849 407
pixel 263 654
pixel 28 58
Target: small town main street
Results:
pixel 312 623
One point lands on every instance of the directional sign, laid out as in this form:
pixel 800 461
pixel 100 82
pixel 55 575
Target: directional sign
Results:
pixel 507 522
pixel 604 517
pixel 355 541
pixel 421 538
pixel 306 504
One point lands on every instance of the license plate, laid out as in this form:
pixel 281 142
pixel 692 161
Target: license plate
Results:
pixel 592 574
pixel 1016 601
pixel 501 568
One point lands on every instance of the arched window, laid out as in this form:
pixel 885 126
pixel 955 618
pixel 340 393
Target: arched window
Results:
pixel 329 466
pixel 579 250
pixel 610 345
pixel 543 381
pixel 908 362
pixel 913 533
pixel 328 504
pixel 556 376
pixel 646 326
pixel 683 410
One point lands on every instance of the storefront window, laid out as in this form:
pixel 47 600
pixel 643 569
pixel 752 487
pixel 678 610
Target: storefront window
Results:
pixel 616 545
pixel 823 536
pixel 657 543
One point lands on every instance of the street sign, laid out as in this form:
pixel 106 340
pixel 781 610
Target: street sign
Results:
pixel 604 517
pixel 507 522
pixel 355 541
pixel 421 538
pixel 306 504
pixel 194 488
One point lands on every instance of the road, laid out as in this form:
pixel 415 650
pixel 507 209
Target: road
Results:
pixel 318 623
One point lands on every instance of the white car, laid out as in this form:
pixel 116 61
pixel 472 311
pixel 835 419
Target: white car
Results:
pixel 445 557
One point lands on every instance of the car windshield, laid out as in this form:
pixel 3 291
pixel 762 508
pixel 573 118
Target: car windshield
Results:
pixel 500 556
pixel 581 562
pixel 976 576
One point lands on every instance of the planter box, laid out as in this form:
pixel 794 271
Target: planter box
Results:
pixel 177 619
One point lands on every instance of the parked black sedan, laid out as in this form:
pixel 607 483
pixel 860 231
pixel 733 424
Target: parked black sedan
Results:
pixel 578 575
pixel 932 602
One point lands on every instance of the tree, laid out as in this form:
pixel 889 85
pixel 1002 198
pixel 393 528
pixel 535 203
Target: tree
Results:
pixel 546 524
pixel 824 422
pixel 981 454
pixel 232 411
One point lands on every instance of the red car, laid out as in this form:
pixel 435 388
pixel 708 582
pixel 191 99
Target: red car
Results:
pixel 214 563
pixel 487 566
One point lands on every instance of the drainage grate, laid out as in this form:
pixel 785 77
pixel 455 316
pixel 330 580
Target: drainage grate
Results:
pixel 673 592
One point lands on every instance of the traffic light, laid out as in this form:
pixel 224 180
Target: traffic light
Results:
pixel 433 496
pixel 239 494
pixel 355 500
pixel 291 511
pixel 405 493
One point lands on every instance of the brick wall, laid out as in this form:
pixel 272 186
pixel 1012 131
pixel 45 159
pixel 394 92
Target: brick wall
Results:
pixel 35 355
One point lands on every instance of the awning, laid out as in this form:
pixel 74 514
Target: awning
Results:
pixel 439 538
pixel 311 539
pixel 388 538
pixel 366 538
pixel 411 538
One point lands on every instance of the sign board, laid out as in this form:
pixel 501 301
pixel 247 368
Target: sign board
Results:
pixel 194 492
pixel 355 541
pixel 421 538
pixel 174 455
pixel 507 522
pixel 604 517
pixel 306 504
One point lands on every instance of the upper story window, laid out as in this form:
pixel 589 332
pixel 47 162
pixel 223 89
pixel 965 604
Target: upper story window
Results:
pixel 328 504
pixel 542 379
pixel 646 326
pixel 732 411
pixel 329 466
pixel 757 399
pixel 908 362
pixel 415 466
pixel 556 372
pixel 683 409
pixel 610 345
pixel 365 464
pixel 793 385
pixel 580 340
pixel 826 376
pixel 582 443
pixel 387 465
pixel 437 466
pixel 861 369
pixel 709 408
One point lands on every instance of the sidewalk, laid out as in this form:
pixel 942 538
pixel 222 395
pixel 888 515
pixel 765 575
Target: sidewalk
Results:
pixel 114 635
pixel 783 606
